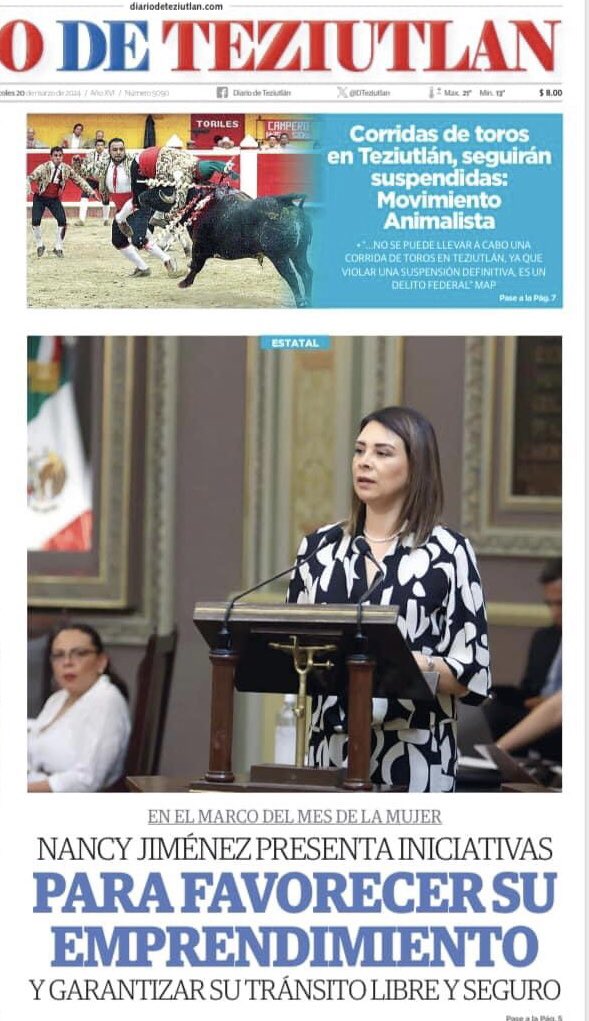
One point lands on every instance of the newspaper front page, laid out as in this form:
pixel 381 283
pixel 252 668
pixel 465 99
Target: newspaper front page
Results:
pixel 245 228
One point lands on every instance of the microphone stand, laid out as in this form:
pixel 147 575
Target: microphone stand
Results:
pixel 331 536
pixel 361 546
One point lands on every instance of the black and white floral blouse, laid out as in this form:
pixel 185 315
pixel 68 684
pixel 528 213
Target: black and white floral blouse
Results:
pixel 441 613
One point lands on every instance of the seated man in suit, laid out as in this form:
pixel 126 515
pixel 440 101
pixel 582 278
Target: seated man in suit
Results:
pixel 543 673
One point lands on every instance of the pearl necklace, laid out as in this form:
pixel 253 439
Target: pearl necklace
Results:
pixel 388 538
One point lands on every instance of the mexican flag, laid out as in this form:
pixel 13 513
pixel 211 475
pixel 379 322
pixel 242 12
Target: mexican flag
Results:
pixel 59 484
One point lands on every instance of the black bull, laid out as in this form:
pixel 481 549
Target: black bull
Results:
pixel 234 226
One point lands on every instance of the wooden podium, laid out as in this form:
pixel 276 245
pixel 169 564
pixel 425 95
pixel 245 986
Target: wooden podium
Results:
pixel 358 655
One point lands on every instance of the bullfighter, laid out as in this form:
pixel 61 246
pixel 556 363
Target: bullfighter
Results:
pixel 50 179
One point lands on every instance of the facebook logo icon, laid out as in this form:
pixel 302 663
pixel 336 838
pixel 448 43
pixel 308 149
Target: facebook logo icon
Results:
pixel 222 92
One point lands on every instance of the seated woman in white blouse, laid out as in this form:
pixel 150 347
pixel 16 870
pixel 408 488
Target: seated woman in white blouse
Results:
pixel 79 740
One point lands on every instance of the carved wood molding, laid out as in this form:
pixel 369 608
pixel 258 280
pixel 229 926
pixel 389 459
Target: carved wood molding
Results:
pixel 488 536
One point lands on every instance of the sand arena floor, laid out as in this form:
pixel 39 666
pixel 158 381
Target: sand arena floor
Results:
pixel 92 274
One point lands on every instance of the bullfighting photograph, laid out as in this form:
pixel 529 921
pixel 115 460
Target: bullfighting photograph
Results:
pixel 181 210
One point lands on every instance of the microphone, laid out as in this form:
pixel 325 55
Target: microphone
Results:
pixel 361 546
pixel 331 536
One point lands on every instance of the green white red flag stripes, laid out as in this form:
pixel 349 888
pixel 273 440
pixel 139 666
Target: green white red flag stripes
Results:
pixel 59 484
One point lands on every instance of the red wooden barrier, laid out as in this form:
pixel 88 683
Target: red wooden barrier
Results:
pixel 277 172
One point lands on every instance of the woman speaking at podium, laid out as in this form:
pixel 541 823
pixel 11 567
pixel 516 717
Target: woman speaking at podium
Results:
pixel 430 573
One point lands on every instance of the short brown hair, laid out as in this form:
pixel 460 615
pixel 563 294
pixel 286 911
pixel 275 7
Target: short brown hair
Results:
pixel 424 501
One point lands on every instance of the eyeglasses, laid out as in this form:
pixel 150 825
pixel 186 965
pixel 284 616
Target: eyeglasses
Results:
pixel 75 654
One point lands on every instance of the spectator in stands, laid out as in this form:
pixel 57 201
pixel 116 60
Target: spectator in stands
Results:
pixel 33 142
pixel 75 139
pixel 223 142
pixel 79 740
